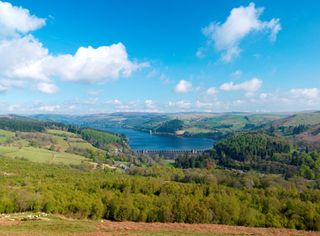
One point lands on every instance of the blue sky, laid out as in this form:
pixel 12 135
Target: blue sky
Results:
pixel 159 56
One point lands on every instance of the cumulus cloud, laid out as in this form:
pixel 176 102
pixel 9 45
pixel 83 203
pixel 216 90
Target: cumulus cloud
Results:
pixel 183 86
pixel 23 57
pixel 19 58
pixel 248 86
pixel 90 64
pixel 17 20
pixel 242 21
pixel 47 88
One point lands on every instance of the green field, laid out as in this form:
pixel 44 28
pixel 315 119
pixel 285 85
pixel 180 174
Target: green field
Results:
pixel 62 133
pixel 44 156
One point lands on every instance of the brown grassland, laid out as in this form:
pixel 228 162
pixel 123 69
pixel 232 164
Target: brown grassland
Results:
pixel 31 224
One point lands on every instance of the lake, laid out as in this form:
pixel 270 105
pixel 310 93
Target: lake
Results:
pixel 139 140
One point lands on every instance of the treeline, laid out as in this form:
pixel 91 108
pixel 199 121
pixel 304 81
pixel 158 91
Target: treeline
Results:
pixel 120 197
pixel 23 124
pixel 205 160
pixel 99 139
pixel 261 152
pixel 289 130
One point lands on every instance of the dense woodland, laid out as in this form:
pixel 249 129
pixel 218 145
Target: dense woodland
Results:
pixel 260 152
pixel 116 196
pixel 170 126
pixel 249 178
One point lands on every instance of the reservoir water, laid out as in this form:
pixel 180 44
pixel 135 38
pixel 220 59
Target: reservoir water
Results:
pixel 139 140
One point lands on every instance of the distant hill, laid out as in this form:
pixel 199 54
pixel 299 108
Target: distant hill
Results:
pixel 303 129
pixel 306 118
pixel 213 125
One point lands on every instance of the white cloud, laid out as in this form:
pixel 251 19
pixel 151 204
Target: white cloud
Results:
pixel 183 86
pixel 94 64
pixel 19 58
pixel 212 91
pixel 15 20
pixel 263 96
pixel 3 88
pixel 242 21
pixel 72 107
pixel 248 86
pixel 6 84
pixel 13 107
pixel 307 93
pixel 150 106
pixel 114 102
pixel 47 88
pixel 204 105
pixel 48 108
pixel 149 103
pixel 184 105
pixel 86 65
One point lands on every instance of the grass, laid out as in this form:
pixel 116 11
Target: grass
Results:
pixel 42 155
pixel 195 130
pixel 61 133
pixel 25 223
pixel 302 118
pixel 20 146
pixel 168 162
pixel 5 135
pixel 55 225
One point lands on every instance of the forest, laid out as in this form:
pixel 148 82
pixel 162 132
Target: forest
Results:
pixel 117 196
pixel 258 151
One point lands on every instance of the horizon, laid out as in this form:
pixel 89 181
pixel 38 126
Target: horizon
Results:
pixel 162 113
pixel 214 57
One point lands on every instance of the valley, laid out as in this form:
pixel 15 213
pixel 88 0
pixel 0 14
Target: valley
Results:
pixel 256 177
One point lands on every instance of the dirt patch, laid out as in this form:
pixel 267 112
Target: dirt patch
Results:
pixel 7 222
pixel 123 227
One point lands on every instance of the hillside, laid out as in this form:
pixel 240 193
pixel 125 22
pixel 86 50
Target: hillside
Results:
pixel 56 143
pixel 304 118
pixel 302 129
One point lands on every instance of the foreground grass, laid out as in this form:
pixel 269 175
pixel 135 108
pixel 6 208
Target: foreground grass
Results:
pixel 43 224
